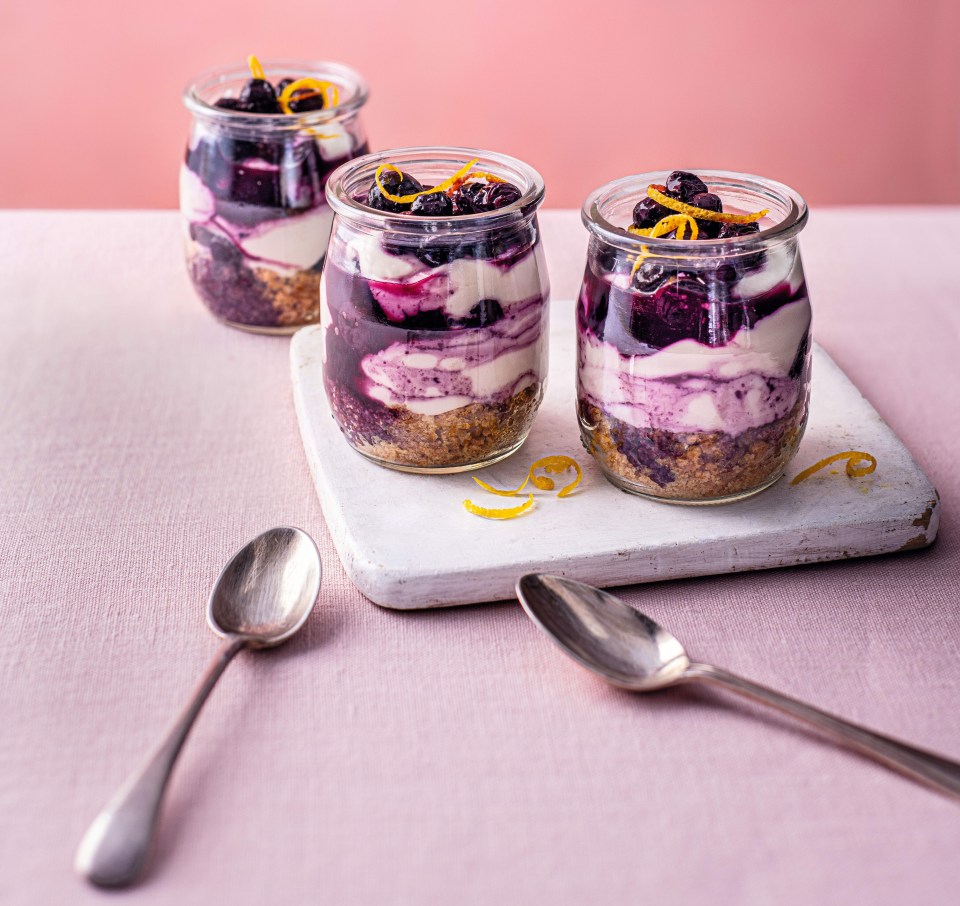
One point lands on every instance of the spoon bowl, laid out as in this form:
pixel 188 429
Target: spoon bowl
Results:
pixel 268 589
pixel 620 644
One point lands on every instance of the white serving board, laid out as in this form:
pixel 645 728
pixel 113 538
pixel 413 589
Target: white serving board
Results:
pixel 407 542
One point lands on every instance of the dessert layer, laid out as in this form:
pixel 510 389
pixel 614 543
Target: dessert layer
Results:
pixel 689 386
pixel 405 286
pixel 431 339
pixel 439 371
pixel 289 241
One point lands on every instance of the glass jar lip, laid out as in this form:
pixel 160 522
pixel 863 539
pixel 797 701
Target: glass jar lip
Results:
pixel 636 185
pixel 342 75
pixel 343 203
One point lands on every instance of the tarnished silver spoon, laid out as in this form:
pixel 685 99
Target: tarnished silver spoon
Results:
pixel 262 597
pixel 630 650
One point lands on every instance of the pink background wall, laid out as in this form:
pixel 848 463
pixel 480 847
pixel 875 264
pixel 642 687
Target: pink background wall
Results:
pixel 849 102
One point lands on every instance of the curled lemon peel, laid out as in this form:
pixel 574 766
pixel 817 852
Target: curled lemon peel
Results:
pixel 678 222
pixel 556 465
pixel 256 70
pixel 499 512
pixel 853 470
pixel 448 183
pixel 329 91
pixel 657 194
pixel 501 492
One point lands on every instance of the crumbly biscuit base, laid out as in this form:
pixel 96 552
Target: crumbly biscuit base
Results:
pixel 696 466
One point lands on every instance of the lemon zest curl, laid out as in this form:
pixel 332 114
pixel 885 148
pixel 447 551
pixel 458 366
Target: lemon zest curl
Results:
pixel 656 193
pixel 869 464
pixel 499 512
pixel 555 465
pixel 256 70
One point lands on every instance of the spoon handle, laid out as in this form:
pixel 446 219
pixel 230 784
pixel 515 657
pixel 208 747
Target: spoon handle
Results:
pixel 927 767
pixel 114 849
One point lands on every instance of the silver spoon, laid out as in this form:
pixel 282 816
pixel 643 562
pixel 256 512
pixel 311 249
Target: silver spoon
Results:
pixel 262 597
pixel 629 650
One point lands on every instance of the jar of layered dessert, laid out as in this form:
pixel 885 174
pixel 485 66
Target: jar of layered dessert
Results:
pixel 256 221
pixel 434 306
pixel 693 334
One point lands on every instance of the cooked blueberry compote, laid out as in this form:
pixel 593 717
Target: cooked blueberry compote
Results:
pixel 434 307
pixel 693 334
pixel 256 219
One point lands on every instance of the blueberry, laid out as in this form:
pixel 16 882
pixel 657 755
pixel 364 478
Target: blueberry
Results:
pixel 684 186
pixel 465 198
pixel 606 260
pixel 395 185
pixel 650 275
pixel 258 96
pixel 432 319
pixel 708 201
pixel 434 204
pixel 750 262
pixel 729 230
pixel 434 255
pixel 306 99
pixel 648 212
pixel 282 84
pixel 228 104
pixel 496 195
pixel 483 314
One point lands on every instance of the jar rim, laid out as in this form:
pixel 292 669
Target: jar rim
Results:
pixel 348 177
pixel 343 76
pixel 635 186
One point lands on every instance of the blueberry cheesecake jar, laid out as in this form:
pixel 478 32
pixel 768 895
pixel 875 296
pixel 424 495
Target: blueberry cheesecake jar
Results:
pixel 693 334
pixel 256 221
pixel 434 307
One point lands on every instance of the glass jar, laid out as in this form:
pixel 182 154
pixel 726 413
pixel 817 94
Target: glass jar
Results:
pixel 435 327
pixel 693 356
pixel 255 218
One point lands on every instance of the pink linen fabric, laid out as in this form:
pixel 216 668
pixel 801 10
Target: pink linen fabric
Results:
pixel 449 756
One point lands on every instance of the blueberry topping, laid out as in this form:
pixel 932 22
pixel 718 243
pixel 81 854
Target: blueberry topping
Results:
pixel 228 104
pixel 395 185
pixel 708 201
pixel 496 195
pixel 434 204
pixel 305 100
pixel 282 84
pixel 258 96
pixel 729 230
pixel 648 213
pixel 684 186
pixel 465 198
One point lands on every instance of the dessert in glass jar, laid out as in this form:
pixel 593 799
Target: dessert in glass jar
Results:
pixel 434 306
pixel 256 221
pixel 693 334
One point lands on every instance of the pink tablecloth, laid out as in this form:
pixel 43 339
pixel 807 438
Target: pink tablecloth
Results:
pixel 448 757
